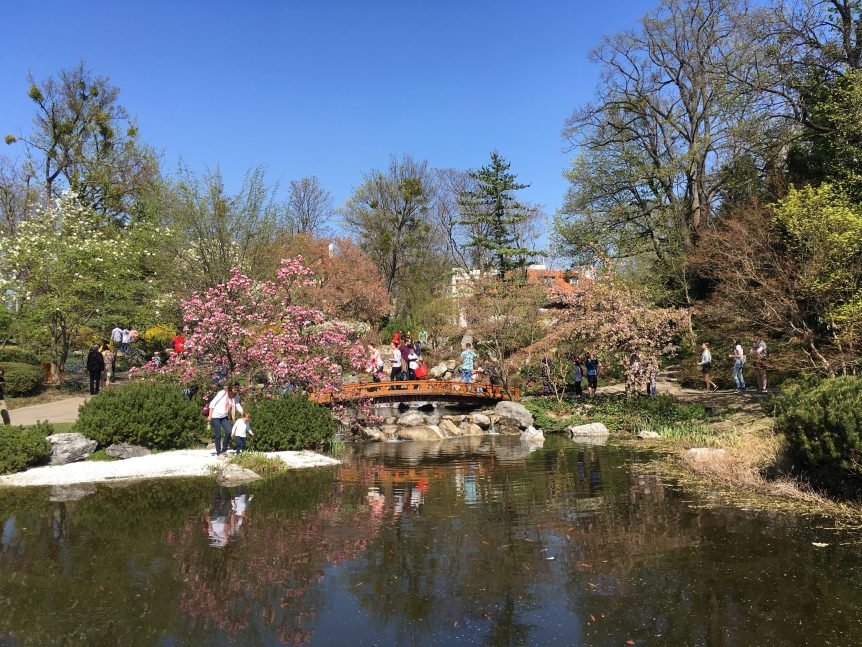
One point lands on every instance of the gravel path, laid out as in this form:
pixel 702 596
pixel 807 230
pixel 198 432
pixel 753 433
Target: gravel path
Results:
pixel 181 463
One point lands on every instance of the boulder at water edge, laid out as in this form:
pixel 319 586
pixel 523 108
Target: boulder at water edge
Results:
pixel 421 432
pixel 70 448
pixel 412 419
pixel 507 426
pixel 449 428
pixel 592 430
pixel 469 429
pixel 515 410
pixel 533 437
pixel 645 435
pixel 481 419
pixel 126 450
pixel 232 474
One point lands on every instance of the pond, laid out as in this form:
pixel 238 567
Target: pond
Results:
pixel 475 540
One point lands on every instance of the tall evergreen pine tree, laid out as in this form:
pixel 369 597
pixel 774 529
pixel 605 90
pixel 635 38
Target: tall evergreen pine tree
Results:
pixel 492 215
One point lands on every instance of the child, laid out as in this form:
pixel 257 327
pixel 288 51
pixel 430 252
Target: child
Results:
pixel 240 428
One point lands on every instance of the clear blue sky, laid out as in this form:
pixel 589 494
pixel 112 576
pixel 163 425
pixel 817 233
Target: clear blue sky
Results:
pixel 327 88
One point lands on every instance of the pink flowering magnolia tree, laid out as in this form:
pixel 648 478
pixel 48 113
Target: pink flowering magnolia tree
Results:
pixel 257 334
pixel 609 320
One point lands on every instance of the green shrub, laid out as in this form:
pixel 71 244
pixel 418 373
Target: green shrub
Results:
pixel 155 415
pixel 289 422
pixel 23 379
pixel 23 447
pixel 19 355
pixel 822 421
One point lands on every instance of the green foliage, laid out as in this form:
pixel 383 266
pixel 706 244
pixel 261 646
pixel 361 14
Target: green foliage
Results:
pixel 23 447
pixel 23 379
pixel 618 413
pixel 155 415
pixel 822 422
pixel 289 422
pixel 19 355
pixel 260 464
pixel 101 455
pixel 493 215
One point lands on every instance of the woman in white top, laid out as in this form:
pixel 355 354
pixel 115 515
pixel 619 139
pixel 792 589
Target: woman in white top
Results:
pixel 412 363
pixel 223 407
pixel 738 356
pixel 396 362
pixel 706 366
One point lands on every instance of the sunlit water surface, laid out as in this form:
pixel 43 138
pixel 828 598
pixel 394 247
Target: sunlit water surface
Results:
pixel 472 541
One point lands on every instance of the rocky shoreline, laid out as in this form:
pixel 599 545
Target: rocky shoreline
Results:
pixel 506 419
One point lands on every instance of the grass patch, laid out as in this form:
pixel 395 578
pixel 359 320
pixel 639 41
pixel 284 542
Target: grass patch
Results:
pixel 49 394
pixel 101 455
pixel 261 464
pixel 621 414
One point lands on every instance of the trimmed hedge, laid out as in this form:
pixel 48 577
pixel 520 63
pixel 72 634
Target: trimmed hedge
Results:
pixel 822 422
pixel 23 379
pixel 152 414
pixel 289 422
pixel 18 355
pixel 23 447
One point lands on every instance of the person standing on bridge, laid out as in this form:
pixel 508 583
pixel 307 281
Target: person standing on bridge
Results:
pixel 395 360
pixel 467 359
pixel 412 363
pixel 404 349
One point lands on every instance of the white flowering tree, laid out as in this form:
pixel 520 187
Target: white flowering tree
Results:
pixel 67 269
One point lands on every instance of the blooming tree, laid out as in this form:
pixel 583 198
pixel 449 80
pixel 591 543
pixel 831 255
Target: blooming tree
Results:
pixel 256 332
pixel 67 269
pixel 606 318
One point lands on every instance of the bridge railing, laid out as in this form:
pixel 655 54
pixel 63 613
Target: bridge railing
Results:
pixel 413 388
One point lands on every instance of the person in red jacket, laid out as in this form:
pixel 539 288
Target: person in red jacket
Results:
pixel 179 344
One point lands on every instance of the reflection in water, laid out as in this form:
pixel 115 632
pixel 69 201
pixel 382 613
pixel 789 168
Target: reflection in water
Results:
pixel 475 540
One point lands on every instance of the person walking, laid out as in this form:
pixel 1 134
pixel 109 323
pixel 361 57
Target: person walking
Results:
pixel 579 378
pixel 592 366
pixel 467 359
pixel 222 409
pixel 404 349
pixel 95 367
pixel 125 340
pixel 706 367
pixel 375 365
pixel 758 354
pixel 108 355
pixel 738 357
pixel 412 362
pixel 4 411
pixel 634 374
pixel 395 360
pixel 241 428
pixel 651 377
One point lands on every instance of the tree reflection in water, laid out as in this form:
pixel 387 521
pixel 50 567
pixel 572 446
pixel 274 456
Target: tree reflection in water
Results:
pixel 475 540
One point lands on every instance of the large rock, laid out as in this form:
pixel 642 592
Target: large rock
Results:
pixel 470 429
pixel 507 426
pixel 232 474
pixel 390 432
pixel 126 450
pixel 646 434
pixel 373 433
pixel 438 371
pixel 70 448
pixel 423 433
pixel 591 430
pixel 532 436
pixel 515 410
pixel 481 419
pixel 449 428
pixel 412 419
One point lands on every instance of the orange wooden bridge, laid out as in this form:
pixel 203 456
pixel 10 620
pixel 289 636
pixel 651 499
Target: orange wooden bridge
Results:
pixel 419 390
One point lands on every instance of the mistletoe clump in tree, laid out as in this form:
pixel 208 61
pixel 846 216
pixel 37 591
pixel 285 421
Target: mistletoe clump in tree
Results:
pixel 493 217
pixel 260 332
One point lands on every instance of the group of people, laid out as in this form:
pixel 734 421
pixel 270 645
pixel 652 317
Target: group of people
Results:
pixel 405 358
pixel 228 419
pixel 583 368
pixel 759 353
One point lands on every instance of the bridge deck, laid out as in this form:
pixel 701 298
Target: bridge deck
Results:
pixel 430 389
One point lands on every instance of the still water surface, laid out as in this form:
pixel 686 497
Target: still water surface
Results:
pixel 475 541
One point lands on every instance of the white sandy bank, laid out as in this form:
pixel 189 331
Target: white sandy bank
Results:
pixel 184 462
